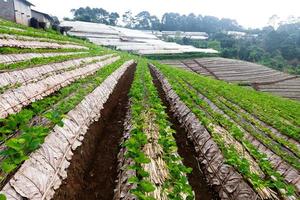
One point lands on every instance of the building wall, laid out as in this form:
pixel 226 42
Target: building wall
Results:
pixel 41 18
pixel 38 16
pixel 7 9
pixel 22 12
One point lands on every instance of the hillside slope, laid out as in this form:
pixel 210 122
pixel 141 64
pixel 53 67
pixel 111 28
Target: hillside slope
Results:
pixel 79 121
pixel 259 77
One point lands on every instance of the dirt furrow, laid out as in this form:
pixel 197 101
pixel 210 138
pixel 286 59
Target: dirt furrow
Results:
pixel 93 169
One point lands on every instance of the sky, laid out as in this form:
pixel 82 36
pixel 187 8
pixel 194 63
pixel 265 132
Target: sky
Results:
pixel 248 13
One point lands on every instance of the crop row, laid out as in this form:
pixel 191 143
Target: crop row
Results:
pixel 244 73
pixel 13 58
pixel 25 131
pixel 47 60
pixel 10 28
pixel 13 100
pixel 153 168
pixel 257 134
pixel 213 120
pixel 55 99
pixel 43 172
pixel 35 39
pixel 36 44
pixel 246 124
pixel 280 113
pixel 226 181
pixel 7 51
pixel 34 74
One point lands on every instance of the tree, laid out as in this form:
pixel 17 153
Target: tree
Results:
pixel 83 14
pixel 113 18
pixel 128 19
pixel 229 25
pixel 155 23
pixel 96 15
pixel 191 22
pixel 171 22
pixel 272 41
pixel 274 21
pixel 143 21
pixel 214 44
pixel 210 24
pixel 101 15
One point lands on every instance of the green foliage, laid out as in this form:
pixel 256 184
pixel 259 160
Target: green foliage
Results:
pixel 96 15
pixel 2 197
pixel 145 103
pixel 53 108
pixel 179 56
pixel 46 60
pixel 32 32
pixel 13 50
pixel 187 85
pixel 277 49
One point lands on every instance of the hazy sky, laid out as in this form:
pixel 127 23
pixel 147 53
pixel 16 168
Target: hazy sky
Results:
pixel 249 13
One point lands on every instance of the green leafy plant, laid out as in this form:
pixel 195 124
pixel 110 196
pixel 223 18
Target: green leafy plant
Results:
pixel 187 85
pixel 53 108
pixel 144 99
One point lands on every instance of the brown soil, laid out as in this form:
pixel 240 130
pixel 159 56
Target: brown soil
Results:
pixel 93 168
pixel 187 151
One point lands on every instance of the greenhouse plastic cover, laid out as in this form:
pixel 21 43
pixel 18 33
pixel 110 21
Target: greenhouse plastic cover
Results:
pixel 136 41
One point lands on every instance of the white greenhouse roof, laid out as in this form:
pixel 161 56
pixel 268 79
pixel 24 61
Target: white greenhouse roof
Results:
pixel 140 42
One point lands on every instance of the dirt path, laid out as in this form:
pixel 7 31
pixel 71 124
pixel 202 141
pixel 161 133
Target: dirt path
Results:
pixel 186 150
pixel 93 169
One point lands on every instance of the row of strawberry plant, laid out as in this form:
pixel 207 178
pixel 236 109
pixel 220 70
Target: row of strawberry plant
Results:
pixel 36 39
pixel 192 100
pixel 14 50
pixel 10 28
pixel 51 109
pixel 151 131
pixel 59 146
pixel 231 153
pixel 32 32
pixel 283 167
pixel 38 44
pixel 48 60
pixel 282 114
pixel 273 133
pixel 42 73
pixel 14 100
pixel 16 120
pixel 244 119
pixel 264 139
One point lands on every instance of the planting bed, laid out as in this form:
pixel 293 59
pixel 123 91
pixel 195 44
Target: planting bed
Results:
pixel 92 172
pixel 187 151
pixel 149 164
pixel 78 121
pixel 238 130
pixel 259 77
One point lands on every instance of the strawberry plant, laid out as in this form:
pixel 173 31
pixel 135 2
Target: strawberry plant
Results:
pixel 146 109
pixel 52 108
pixel 208 117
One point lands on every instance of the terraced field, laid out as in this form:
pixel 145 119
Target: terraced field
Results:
pixel 259 77
pixel 79 121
